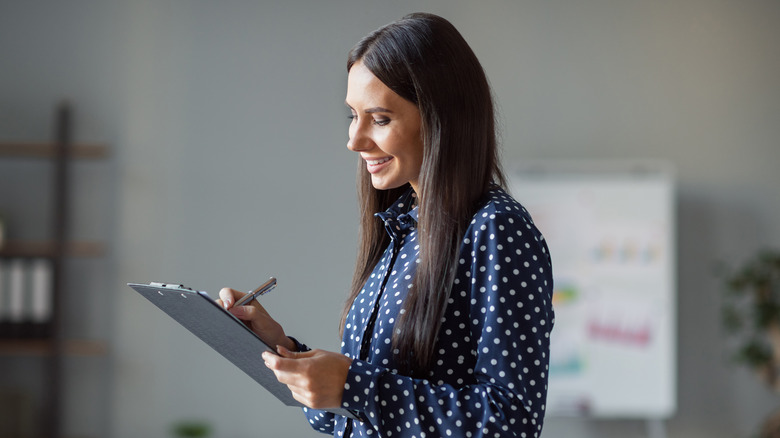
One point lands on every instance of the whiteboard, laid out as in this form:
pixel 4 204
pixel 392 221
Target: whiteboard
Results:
pixel 611 230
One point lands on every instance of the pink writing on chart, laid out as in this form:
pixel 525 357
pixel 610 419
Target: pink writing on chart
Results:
pixel 639 337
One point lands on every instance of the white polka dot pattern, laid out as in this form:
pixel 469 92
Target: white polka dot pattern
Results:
pixel 492 352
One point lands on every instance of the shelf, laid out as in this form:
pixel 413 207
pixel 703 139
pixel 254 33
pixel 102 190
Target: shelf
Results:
pixel 60 152
pixel 48 150
pixel 16 248
pixel 45 347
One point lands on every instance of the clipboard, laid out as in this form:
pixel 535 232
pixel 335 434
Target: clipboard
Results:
pixel 223 332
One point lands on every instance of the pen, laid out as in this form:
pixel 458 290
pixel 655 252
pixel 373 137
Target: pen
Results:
pixel 263 289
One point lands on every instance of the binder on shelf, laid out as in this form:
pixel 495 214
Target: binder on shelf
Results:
pixel 41 297
pixel 26 298
pixel 16 291
pixel 3 298
pixel 41 279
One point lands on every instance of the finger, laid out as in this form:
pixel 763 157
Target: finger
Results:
pixel 283 373
pixel 248 312
pixel 289 354
pixel 241 312
pixel 292 372
pixel 282 364
pixel 302 395
pixel 299 397
pixel 286 353
pixel 271 360
pixel 289 379
pixel 228 297
pixel 308 398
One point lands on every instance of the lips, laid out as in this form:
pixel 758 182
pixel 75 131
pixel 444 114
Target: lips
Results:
pixel 375 165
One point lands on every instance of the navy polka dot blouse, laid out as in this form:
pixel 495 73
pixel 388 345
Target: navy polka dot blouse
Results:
pixel 489 377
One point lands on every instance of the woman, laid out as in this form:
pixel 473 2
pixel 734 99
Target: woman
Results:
pixel 446 330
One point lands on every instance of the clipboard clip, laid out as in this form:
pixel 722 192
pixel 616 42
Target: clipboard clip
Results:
pixel 169 286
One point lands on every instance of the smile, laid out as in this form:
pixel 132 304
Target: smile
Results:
pixel 379 161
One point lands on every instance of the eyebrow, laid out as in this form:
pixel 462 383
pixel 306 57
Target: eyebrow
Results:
pixel 376 109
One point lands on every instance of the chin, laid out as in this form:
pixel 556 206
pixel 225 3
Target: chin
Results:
pixel 386 185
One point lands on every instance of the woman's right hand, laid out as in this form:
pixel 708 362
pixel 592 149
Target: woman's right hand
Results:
pixel 256 318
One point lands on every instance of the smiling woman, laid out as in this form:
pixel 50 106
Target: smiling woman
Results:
pixel 385 130
pixel 446 329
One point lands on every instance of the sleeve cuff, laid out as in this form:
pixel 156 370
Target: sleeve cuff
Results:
pixel 359 389
pixel 298 346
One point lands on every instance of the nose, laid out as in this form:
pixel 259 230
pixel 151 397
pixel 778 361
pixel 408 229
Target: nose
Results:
pixel 358 140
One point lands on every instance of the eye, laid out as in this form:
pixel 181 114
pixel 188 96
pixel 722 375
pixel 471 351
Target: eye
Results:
pixel 382 121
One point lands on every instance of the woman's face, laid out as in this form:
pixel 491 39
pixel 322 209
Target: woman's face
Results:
pixel 385 130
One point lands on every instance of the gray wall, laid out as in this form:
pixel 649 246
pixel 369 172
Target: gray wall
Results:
pixel 229 164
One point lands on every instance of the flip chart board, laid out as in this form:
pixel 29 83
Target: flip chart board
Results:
pixel 611 233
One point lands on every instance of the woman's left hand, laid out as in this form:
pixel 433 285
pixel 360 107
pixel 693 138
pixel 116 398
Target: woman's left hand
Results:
pixel 316 378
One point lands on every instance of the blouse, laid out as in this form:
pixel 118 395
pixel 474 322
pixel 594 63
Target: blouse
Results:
pixel 489 377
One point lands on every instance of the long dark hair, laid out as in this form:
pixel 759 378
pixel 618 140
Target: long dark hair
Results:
pixel 425 60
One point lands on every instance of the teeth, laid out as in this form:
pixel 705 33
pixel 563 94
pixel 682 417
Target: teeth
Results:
pixel 375 162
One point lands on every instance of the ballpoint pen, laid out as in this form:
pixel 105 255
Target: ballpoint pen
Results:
pixel 263 289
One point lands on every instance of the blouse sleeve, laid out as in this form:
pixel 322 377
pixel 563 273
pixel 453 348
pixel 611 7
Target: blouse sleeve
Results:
pixel 321 421
pixel 509 288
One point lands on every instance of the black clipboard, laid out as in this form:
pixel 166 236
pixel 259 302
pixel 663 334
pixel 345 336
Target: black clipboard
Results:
pixel 223 332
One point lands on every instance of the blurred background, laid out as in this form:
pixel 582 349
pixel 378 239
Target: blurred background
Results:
pixel 227 163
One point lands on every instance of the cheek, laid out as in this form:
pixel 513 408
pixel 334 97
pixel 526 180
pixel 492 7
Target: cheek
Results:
pixel 418 150
pixel 416 139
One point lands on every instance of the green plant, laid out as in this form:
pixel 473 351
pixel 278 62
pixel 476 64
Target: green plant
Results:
pixel 751 314
pixel 192 429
